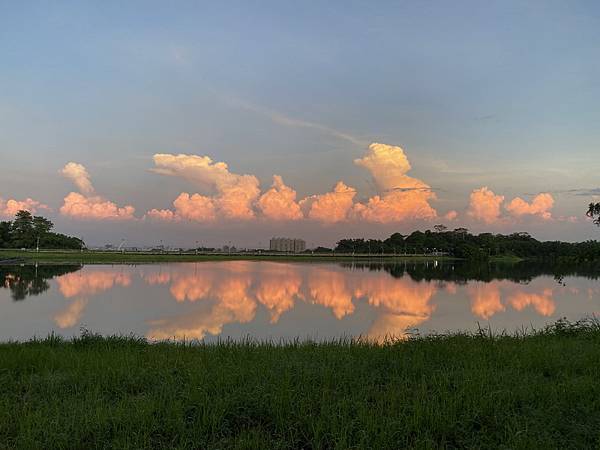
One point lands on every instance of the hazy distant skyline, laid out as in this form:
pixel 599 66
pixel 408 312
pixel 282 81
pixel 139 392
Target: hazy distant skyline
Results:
pixel 374 118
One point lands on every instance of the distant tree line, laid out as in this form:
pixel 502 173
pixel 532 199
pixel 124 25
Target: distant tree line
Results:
pixel 28 231
pixel 462 244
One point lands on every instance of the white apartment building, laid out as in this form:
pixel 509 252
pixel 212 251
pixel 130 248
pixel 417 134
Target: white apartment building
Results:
pixel 280 244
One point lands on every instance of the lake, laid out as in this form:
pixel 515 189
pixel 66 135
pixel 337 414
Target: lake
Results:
pixel 287 300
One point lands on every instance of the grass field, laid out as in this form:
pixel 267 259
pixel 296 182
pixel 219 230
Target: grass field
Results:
pixel 475 391
pixel 99 257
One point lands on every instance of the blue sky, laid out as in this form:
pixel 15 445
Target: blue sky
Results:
pixel 498 94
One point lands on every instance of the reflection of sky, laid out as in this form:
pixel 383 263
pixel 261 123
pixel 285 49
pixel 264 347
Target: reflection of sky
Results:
pixel 270 299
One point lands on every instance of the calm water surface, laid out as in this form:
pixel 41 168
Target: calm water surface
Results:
pixel 273 300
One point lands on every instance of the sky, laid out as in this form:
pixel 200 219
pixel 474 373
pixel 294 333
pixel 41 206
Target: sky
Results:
pixel 232 122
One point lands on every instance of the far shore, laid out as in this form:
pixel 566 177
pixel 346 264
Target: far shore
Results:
pixel 8 256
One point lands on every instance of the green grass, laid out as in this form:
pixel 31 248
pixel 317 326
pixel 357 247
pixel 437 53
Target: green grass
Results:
pixel 460 391
pixel 99 257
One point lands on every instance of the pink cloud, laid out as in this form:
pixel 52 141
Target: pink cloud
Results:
pixel 331 207
pixel 87 205
pixel 397 207
pixel 388 165
pixel 451 215
pixel 279 202
pixel 11 207
pixel 540 206
pixel 79 175
pixel 194 207
pixel 79 206
pixel 234 195
pixel 401 197
pixel 163 214
pixel 484 205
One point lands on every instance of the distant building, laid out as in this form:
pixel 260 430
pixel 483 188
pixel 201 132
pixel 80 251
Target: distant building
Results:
pixel 287 245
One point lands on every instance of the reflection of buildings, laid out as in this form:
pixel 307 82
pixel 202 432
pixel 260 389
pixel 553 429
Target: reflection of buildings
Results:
pixel 287 245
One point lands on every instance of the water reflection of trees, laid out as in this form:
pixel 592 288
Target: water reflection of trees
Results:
pixel 27 280
pixel 461 272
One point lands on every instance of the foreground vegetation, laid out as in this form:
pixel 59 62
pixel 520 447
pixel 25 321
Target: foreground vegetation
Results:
pixel 476 391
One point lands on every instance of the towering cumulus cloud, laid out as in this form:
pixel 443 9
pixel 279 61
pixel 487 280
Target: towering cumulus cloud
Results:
pixel 229 196
pixel 484 205
pixel 401 197
pixel 388 164
pixel 10 207
pixel 331 207
pixel 279 202
pixel 86 204
pixel 540 206
pixel 79 175
pixel 233 195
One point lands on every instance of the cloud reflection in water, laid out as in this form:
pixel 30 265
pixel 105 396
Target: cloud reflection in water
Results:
pixel 233 292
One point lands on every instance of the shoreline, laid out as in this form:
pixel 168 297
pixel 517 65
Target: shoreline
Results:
pixel 101 257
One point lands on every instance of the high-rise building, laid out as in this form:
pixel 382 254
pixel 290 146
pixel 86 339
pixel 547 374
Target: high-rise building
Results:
pixel 279 244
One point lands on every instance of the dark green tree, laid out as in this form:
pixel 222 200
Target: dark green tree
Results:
pixel 41 226
pixel 25 231
pixel 5 236
pixel 462 244
pixel 22 229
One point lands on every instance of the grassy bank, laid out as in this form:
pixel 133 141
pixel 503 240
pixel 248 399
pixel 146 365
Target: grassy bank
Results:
pixel 540 391
pixel 99 257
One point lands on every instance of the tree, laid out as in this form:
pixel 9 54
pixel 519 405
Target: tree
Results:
pixel 25 231
pixel 461 232
pixel 5 236
pixel 41 226
pixel 22 229
pixel 594 212
pixel 462 244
